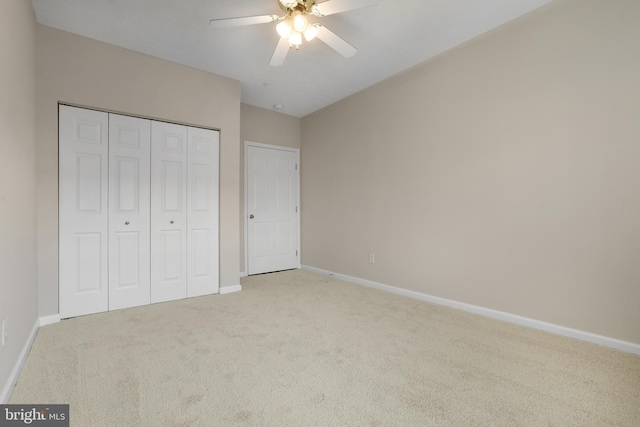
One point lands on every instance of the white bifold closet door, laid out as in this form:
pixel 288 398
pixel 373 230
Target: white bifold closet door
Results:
pixel 138 211
pixel 129 211
pixel 169 211
pixel 202 212
pixel 184 206
pixel 83 208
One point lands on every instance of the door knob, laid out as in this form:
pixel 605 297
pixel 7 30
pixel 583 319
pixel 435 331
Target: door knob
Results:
pixel 251 216
pixel 171 222
pixel 126 223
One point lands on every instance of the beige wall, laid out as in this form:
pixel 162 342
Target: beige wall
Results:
pixel 85 72
pixel 18 281
pixel 504 174
pixel 266 127
pixel 269 127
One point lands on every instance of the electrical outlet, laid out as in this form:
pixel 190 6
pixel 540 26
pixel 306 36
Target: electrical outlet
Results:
pixel 5 332
pixel 372 258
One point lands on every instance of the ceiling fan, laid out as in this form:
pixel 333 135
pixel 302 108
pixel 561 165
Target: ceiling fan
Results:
pixel 295 25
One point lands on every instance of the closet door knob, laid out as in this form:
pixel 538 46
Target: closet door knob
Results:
pixel 126 223
pixel 171 222
pixel 251 216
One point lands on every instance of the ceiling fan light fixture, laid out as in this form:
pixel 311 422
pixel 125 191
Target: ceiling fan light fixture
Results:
pixel 284 29
pixel 310 33
pixel 295 24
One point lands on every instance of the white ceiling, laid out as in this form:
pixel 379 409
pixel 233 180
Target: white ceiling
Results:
pixel 390 37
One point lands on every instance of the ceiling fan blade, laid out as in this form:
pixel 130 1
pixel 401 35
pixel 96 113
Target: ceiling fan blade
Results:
pixel 280 53
pixel 337 6
pixel 335 42
pixel 243 20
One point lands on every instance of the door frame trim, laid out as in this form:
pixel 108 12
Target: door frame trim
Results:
pixel 246 196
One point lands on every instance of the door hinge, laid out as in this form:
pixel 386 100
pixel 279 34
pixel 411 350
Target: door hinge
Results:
pixel 296 166
pixel 296 253
pixel 296 209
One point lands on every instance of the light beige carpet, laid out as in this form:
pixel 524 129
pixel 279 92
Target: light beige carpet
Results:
pixel 298 349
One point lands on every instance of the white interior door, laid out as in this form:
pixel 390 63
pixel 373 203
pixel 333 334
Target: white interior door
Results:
pixel 272 208
pixel 202 212
pixel 83 221
pixel 129 214
pixel 169 212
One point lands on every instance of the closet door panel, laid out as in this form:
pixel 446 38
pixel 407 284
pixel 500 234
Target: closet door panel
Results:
pixel 202 220
pixel 83 214
pixel 129 211
pixel 169 212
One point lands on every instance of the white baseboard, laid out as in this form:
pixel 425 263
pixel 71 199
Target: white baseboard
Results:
pixel 230 289
pixel 49 320
pixel 13 377
pixel 617 344
pixel 243 274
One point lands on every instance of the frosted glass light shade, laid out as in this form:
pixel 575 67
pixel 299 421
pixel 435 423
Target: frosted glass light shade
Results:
pixel 299 23
pixel 310 33
pixel 295 38
pixel 284 29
